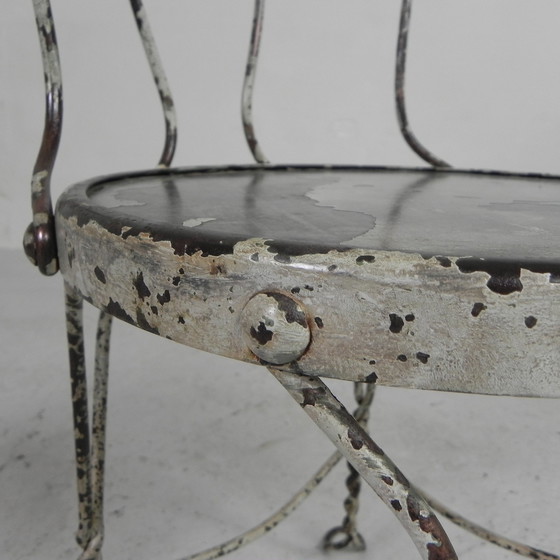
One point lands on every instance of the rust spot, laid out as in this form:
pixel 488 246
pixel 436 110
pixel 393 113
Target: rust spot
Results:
pixel 290 309
pixel 530 321
pixel 140 285
pixel 143 323
pixel 478 308
pixel 422 357
pixel 397 506
pixel 319 322
pixel 261 334
pixel 444 261
pixel 100 275
pixel 355 439
pixel 504 277
pixel 436 552
pixel 310 396
pixel 428 523
pixel 164 298
pixel 396 323
pixel 114 308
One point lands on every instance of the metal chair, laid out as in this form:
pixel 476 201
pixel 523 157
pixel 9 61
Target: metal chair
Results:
pixel 313 272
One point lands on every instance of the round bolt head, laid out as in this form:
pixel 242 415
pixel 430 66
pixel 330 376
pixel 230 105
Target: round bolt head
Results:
pixel 275 328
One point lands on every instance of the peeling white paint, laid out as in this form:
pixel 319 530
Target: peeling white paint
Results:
pixel 436 343
pixel 193 222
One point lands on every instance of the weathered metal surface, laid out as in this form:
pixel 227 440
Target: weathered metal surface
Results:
pixel 275 327
pixel 160 80
pixel 346 536
pixel 98 429
pixel 390 317
pixel 249 84
pixel 75 335
pixel 39 239
pixel 89 444
pixel 389 483
pixel 402 116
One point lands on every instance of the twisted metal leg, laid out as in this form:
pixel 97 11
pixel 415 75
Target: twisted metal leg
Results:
pixel 346 535
pixel 370 461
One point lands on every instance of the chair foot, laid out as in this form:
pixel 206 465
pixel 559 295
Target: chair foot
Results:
pixel 371 462
pixel 342 538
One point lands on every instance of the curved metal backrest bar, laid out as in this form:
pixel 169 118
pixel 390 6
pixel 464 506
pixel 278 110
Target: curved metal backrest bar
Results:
pixel 160 79
pixel 39 240
pixel 402 117
pixel 249 82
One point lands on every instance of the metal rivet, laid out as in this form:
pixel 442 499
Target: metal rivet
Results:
pixel 275 327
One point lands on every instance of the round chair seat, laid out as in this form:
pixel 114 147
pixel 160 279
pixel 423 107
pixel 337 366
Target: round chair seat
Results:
pixel 431 279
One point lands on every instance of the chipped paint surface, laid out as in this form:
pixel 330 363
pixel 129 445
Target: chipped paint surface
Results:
pixel 399 319
pixel 193 222
pixel 388 482
pixel 275 327
pixel 346 535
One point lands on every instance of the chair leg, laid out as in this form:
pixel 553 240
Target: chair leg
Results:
pixel 346 535
pixel 89 447
pixel 372 464
pixel 98 432
pixel 75 336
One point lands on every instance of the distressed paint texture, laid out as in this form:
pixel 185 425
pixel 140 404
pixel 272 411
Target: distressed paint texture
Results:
pixel 395 318
pixel 377 469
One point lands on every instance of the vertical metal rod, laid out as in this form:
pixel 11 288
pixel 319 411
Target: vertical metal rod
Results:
pixel 98 429
pixel 160 79
pixel 40 240
pixel 249 83
pixel 402 116
pixel 75 336
pixel 371 462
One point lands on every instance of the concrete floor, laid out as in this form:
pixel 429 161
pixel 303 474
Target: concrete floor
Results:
pixel 200 448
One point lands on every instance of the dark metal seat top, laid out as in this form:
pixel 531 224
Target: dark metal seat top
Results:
pixel 489 219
